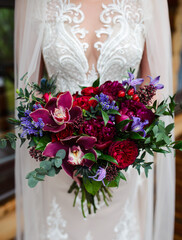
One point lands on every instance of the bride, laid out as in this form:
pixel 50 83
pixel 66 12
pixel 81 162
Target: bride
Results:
pixel 80 41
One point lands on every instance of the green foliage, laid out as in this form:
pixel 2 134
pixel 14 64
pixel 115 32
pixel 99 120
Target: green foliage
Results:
pixel 92 186
pixel 96 83
pixel 108 158
pixel 41 142
pixel 89 156
pixel 9 137
pixel 105 117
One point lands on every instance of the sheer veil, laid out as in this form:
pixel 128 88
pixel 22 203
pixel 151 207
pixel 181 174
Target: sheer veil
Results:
pixel 29 29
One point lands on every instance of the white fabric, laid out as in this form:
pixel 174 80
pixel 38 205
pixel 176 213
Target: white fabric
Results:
pixel 66 35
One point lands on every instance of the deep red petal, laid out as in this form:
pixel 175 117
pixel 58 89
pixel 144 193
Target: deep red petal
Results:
pixel 86 142
pixel 68 168
pixel 52 148
pixel 65 100
pixel 75 112
pixel 44 114
pixel 54 128
pixel 51 105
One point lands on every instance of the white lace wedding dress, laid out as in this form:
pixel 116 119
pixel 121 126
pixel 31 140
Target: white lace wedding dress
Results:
pixel 81 42
pixel 72 42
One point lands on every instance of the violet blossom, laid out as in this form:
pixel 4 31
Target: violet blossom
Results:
pixel 31 127
pixel 155 81
pixel 101 174
pixel 131 81
pixel 138 126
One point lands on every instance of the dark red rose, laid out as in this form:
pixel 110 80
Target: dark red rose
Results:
pixel 131 108
pixel 89 91
pixel 68 131
pixel 97 129
pixel 84 102
pixel 111 89
pixel 125 152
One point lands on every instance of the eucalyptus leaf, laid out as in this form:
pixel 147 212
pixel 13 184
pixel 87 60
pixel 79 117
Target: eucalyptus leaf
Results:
pixel 51 172
pixel 46 165
pixel 32 182
pixel 61 154
pixel 58 162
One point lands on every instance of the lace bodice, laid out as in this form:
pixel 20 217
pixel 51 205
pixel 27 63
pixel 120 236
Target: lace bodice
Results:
pixel 78 49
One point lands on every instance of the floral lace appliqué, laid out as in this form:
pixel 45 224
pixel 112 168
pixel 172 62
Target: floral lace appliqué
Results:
pixel 56 223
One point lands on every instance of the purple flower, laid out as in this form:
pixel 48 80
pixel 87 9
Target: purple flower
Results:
pixel 57 112
pixel 76 147
pixel 101 174
pixel 137 125
pixel 155 81
pixel 107 104
pixel 131 82
pixel 37 106
pixel 31 127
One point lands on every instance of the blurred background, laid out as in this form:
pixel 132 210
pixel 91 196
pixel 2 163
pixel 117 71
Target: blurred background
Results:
pixel 7 190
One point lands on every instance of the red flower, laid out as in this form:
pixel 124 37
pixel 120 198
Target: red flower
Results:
pixel 111 89
pixel 89 91
pixel 68 131
pixel 125 152
pixel 84 102
pixel 47 96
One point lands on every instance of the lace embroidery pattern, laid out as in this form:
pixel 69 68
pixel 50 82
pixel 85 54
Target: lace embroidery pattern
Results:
pixel 56 223
pixel 62 50
pixel 127 227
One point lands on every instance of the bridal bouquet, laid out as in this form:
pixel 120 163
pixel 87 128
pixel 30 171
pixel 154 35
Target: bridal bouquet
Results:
pixel 95 135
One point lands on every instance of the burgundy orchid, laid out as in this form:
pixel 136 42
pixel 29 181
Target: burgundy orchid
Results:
pixel 57 112
pixel 76 147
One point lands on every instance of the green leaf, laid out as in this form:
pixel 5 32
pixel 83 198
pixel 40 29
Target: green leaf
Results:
pixel 99 153
pixel 159 137
pixel 32 143
pixel 135 135
pixel 169 128
pixel 46 165
pixel 148 140
pixel 41 171
pixel 113 183
pixel 160 150
pixel 32 182
pixel 42 142
pixel 14 121
pixel 122 176
pixel 178 145
pixel 90 156
pixel 149 151
pixel 51 172
pixel 105 117
pixel 147 167
pixel 58 162
pixel 96 83
pixel 93 98
pixel 155 129
pixel 113 111
pixel 108 158
pixel 3 143
pixel 39 177
pixel 122 124
pixel 61 154
pixel 92 186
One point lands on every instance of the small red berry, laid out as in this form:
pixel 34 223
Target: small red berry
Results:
pixel 121 93
pixel 131 91
pixel 135 97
